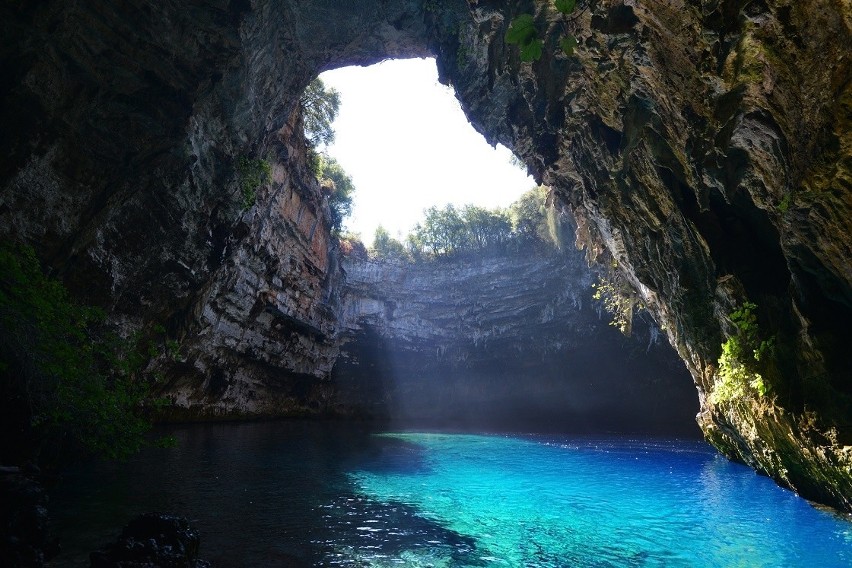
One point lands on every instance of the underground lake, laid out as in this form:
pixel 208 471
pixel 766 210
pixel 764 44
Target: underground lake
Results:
pixel 622 341
pixel 293 493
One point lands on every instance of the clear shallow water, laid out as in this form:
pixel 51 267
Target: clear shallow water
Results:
pixel 304 494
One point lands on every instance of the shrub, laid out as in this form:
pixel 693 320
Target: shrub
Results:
pixel 254 173
pixel 743 356
pixel 63 377
pixel 387 247
pixel 618 299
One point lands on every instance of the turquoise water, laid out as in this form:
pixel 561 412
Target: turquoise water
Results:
pixel 302 494
pixel 545 502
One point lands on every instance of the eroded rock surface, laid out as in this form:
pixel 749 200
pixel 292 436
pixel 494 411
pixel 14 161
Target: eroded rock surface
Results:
pixel 511 341
pixel 704 146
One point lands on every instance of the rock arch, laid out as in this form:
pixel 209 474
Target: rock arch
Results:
pixel 703 145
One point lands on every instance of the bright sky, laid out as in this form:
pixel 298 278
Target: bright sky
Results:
pixel 405 141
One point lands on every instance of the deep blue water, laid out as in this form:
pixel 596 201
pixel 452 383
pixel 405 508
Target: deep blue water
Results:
pixel 308 494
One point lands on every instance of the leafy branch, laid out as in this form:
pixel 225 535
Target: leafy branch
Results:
pixel 523 33
pixel 744 356
pixel 63 375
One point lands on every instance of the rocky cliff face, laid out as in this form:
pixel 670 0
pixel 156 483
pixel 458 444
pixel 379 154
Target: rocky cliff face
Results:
pixel 511 341
pixel 703 145
pixel 124 130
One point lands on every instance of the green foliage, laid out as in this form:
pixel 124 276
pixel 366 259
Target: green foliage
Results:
pixel 332 176
pixel 535 220
pixel 320 106
pixel 743 359
pixel 442 232
pixel 618 299
pixel 565 6
pixel 253 173
pixel 352 245
pixel 448 230
pixel 173 349
pixel 63 376
pixel 784 206
pixel 387 247
pixel 316 163
pixel 518 163
pixel 526 214
pixel 486 229
pixel 523 33
pixel 568 44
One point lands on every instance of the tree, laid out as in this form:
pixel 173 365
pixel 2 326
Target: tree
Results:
pixel 320 106
pixel 486 228
pixel 527 215
pixel 442 232
pixel 342 190
pixel 387 247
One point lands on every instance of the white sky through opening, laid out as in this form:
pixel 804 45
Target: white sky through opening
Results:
pixel 405 141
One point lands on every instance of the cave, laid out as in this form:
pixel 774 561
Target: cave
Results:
pixel 702 149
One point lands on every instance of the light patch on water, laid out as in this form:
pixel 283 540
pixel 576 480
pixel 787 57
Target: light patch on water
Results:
pixel 541 502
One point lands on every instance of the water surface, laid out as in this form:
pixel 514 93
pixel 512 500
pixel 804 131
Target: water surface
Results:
pixel 310 494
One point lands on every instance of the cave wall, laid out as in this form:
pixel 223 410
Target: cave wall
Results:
pixel 703 145
pixel 123 131
pixel 704 148
pixel 511 341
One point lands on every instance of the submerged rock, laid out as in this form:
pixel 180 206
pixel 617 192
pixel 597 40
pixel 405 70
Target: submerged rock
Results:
pixel 152 540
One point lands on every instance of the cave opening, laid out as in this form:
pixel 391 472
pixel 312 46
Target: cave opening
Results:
pixel 403 138
pixel 430 339
pixel 127 128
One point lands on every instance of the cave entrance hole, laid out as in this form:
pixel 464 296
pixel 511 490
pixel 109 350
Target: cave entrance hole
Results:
pixel 405 141
pixel 407 144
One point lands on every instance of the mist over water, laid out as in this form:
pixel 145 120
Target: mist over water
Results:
pixel 320 494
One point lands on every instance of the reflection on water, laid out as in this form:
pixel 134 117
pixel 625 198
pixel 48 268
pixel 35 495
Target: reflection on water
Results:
pixel 311 494
pixel 271 493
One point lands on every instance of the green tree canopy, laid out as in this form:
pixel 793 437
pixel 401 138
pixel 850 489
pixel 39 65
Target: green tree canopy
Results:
pixel 532 221
pixel 385 246
pixel 442 232
pixel 320 105
pixel 486 228
pixel 342 190
pixel 528 215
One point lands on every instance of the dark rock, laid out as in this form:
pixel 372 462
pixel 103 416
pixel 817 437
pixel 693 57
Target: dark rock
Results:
pixel 25 539
pixel 509 341
pixel 152 540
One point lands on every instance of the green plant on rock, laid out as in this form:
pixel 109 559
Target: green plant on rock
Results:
pixel 253 174
pixel 66 381
pixel 618 299
pixel 523 33
pixel 784 205
pixel 743 358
